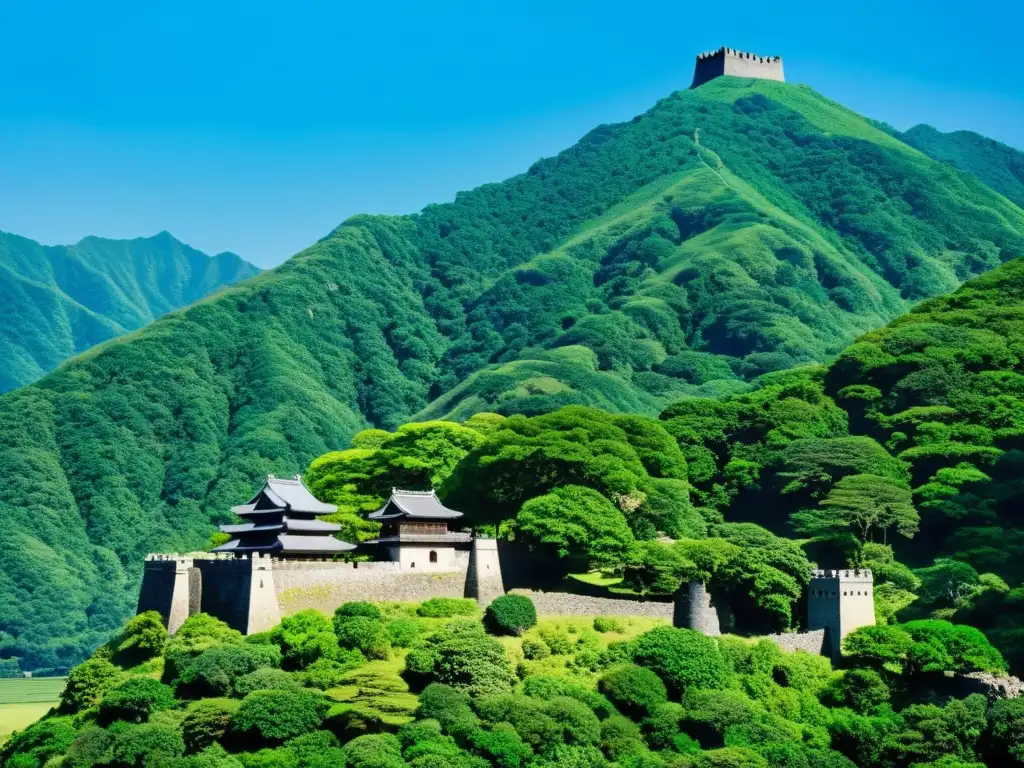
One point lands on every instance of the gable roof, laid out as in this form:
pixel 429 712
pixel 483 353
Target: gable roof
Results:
pixel 419 505
pixel 285 496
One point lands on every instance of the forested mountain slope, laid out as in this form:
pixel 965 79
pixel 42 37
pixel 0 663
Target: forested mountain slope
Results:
pixel 60 300
pixel 996 164
pixel 635 267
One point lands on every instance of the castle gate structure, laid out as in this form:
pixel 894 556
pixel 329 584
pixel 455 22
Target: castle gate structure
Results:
pixel 414 531
pixel 733 63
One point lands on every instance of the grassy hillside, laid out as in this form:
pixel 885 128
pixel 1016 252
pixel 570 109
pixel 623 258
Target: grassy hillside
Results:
pixel 61 300
pixel 730 231
pixel 391 685
pixel 998 165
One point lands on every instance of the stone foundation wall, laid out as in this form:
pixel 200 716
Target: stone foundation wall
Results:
pixel 569 604
pixel 812 641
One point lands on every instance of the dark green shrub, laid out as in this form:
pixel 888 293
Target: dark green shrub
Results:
pixel 617 652
pixel 446 607
pixel 266 679
pixel 547 687
pixel 661 726
pixel 501 745
pixel 365 635
pixel 149 745
pixel 276 716
pixel 327 673
pixel 38 743
pixel 214 671
pixel 135 699
pixel 710 713
pixel 510 615
pixel 461 655
pixel 859 689
pixel 403 632
pixel 87 683
pixel 636 691
pixel 523 713
pixel 374 750
pixel 1004 744
pixel 607 624
pixel 142 638
pixel 449 707
pixel 305 637
pixel 206 722
pixel 578 721
pixel 681 658
pixel 199 632
pixel 940 646
pixel 620 737
pixel 535 649
pixel 358 608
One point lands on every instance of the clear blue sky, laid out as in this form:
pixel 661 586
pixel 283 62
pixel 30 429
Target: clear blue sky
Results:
pixel 257 127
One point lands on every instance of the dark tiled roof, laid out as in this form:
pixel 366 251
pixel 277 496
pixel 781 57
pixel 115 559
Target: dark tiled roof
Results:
pixel 417 505
pixel 252 528
pixel 310 526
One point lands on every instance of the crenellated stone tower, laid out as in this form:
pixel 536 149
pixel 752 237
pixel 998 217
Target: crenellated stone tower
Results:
pixel 729 61
pixel 840 602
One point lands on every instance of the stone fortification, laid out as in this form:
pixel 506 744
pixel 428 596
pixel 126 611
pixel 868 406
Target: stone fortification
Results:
pixel 695 610
pixel 729 61
pixel 840 601
pixel 251 593
pixel 571 604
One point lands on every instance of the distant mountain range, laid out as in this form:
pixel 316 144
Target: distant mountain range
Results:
pixel 998 165
pixel 60 300
pixel 730 231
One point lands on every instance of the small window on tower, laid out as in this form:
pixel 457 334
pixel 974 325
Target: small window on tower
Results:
pixel 433 556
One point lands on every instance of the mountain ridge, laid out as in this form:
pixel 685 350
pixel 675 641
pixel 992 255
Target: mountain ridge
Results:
pixel 63 299
pixel 625 271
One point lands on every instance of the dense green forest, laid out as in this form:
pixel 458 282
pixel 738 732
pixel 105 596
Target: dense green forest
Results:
pixel 999 166
pixel 904 456
pixel 61 300
pixel 436 685
pixel 701 249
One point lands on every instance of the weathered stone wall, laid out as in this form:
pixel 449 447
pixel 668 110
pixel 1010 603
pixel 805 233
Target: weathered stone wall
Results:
pixel 569 604
pixel 325 586
pixel 694 609
pixel 484 580
pixel 171 586
pixel 812 641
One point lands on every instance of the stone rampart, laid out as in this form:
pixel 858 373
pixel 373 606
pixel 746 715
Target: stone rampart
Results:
pixel 569 604
pixel 325 586
pixel 812 641
pixel 729 61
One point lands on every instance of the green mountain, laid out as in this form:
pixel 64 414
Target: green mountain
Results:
pixel 998 165
pixel 730 231
pixel 61 300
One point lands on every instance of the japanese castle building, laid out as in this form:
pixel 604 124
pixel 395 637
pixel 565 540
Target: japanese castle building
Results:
pixel 414 531
pixel 281 520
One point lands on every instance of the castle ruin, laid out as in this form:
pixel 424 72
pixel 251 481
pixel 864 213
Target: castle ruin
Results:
pixel 729 61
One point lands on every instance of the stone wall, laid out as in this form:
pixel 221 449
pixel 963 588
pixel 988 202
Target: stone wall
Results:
pixel 728 61
pixel 172 587
pixel 325 586
pixel 569 604
pixel 813 641
pixel 694 609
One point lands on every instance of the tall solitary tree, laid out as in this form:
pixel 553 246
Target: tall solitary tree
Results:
pixel 864 505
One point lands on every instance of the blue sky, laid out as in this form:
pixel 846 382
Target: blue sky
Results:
pixel 258 127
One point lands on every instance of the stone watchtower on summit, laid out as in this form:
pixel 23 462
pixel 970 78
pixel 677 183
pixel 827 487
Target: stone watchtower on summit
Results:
pixel 729 61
